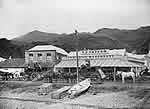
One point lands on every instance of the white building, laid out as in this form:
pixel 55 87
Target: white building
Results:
pixel 46 55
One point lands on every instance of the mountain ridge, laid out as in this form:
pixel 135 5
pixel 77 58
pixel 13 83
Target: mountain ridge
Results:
pixel 133 40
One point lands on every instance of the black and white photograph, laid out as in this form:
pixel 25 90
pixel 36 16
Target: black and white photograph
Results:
pixel 74 54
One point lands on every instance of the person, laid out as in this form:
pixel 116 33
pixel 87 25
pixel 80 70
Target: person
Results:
pixel 101 73
pixel 146 71
pixel 132 69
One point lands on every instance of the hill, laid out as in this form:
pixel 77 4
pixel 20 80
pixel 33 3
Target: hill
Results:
pixel 86 40
pixel 7 49
pixel 137 40
pixel 133 40
pixel 37 36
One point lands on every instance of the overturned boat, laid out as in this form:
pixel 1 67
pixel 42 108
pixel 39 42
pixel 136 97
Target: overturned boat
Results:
pixel 77 89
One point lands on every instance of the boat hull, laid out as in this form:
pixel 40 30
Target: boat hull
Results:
pixel 80 88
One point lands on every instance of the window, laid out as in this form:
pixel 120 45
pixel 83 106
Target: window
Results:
pixel 49 57
pixel 30 54
pixel 48 54
pixel 39 54
pixel 30 57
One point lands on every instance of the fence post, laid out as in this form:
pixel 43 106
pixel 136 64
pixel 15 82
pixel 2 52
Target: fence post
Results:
pixel 114 74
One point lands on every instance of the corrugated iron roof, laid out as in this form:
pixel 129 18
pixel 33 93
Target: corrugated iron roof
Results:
pixel 121 52
pixel 119 63
pixel 70 63
pixel 12 63
pixel 102 63
pixel 135 56
pixel 48 47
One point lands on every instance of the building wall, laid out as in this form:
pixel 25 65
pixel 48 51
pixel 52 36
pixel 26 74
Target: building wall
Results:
pixel 12 70
pixel 44 58
pixel 100 53
pixel 40 56
pixel 147 61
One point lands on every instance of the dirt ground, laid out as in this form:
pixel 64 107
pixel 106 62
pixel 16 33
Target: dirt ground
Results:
pixel 23 95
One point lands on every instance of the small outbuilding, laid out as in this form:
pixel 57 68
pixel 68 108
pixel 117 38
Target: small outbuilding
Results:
pixel 12 65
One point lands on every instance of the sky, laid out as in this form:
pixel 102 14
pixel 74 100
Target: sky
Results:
pixel 18 17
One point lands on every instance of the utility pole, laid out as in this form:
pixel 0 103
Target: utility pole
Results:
pixel 77 45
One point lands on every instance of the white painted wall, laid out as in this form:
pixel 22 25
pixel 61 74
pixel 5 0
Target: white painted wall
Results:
pixel 12 70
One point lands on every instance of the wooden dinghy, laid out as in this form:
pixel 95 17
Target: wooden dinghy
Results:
pixel 60 93
pixel 79 88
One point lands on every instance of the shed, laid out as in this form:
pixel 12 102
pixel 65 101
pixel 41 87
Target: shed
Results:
pixel 12 65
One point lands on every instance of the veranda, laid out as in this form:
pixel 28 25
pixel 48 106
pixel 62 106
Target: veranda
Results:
pixel 109 66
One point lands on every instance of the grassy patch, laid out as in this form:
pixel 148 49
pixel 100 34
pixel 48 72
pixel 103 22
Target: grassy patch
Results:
pixel 139 93
pixel 28 89
pixel 6 86
pixel 104 89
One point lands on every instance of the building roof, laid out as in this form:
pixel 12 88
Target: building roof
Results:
pixel 98 62
pixel 121 52
pixel 12 63
pixel 48 48
pixel 135 56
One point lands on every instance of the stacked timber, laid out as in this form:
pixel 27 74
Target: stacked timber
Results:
pixel 45 88
pixel 60 93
